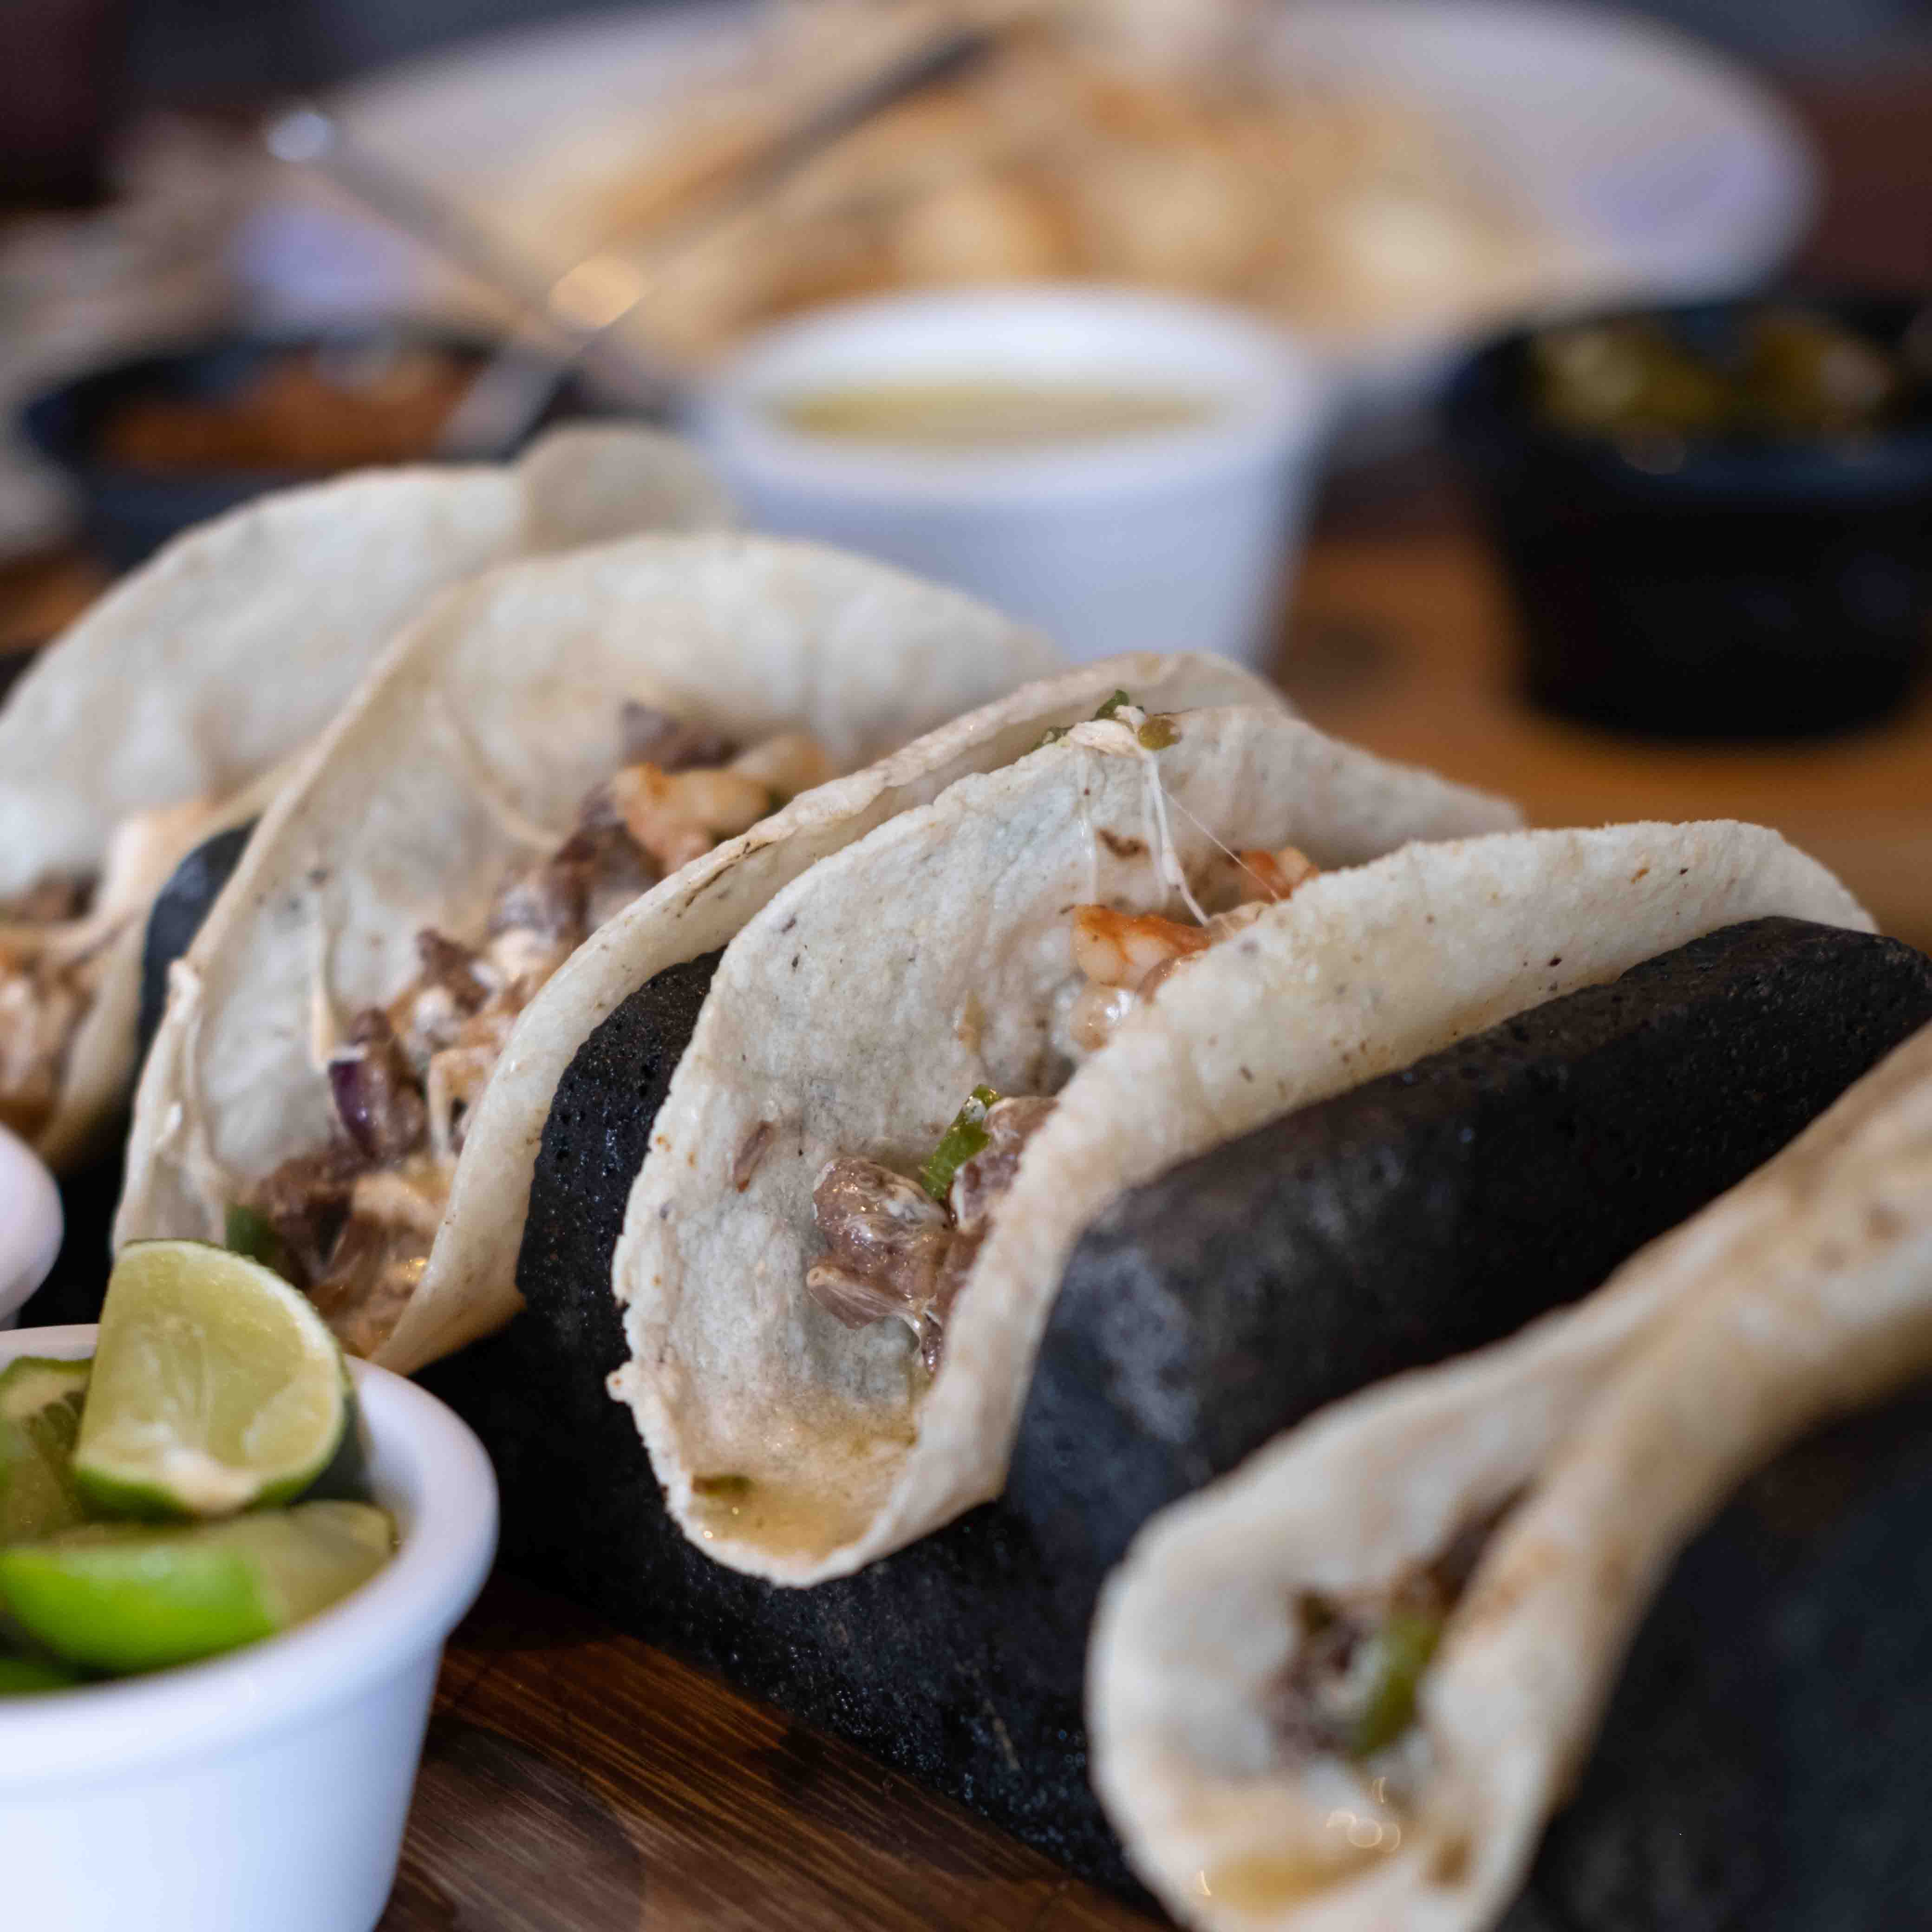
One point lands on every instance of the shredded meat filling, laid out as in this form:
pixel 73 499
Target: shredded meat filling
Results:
pixel 356 1219
pixel 887 1238
pixel 56 939
pixel 895 1254
pixel 46 989
pixel 373 1086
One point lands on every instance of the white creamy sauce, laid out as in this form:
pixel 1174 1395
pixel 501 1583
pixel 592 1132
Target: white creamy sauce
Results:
pixel 1119 736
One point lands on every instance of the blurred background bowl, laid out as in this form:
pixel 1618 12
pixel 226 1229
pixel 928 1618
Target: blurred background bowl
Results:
pixel 163 439
pixel 1158 538
pixel 1707 588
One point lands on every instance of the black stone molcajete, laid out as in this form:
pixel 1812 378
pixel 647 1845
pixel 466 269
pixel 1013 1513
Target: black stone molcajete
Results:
pixel 1762 1764
pixel 1431 1211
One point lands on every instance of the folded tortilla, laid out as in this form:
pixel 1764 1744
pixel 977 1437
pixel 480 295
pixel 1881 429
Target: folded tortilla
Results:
pixel 466 757
pixel 468 1289
pixel 1570 1464
pixel 131 737
pixel 852 1016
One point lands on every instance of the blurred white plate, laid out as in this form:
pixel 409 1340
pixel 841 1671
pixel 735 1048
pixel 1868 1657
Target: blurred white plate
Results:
pixel 1659 168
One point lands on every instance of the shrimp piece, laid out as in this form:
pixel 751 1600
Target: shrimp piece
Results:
pixel 1119 949
pixel 788 764
pixel 677 816
pixel 1268 876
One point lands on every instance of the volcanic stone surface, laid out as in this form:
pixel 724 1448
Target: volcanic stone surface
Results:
pixel 1429 1212
pixel 1434 1210
pixel 176 917
pixel 1763 1766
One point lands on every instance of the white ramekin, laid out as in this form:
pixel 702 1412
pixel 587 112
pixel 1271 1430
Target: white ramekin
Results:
pixel 266 1791
pixel 30 1225
pixel 1172 539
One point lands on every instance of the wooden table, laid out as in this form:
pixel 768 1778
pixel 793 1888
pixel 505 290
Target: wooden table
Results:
pixel 1404 642
pixel 578 1781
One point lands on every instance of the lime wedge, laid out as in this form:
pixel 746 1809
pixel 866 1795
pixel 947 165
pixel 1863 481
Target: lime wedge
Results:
pixel 23 1676
pixel 124 1596
pixel 217 1387
pixel 40 1416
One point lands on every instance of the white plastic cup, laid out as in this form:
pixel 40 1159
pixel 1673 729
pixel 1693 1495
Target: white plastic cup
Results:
pixel 1166 539
pixel 266 1791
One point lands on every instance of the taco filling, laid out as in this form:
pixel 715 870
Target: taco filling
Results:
pixel 900 1249
pixel 56 940
pixel 352 1222
pixel 1347 1691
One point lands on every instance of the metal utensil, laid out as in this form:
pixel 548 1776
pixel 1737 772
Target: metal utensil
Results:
pixel 583 307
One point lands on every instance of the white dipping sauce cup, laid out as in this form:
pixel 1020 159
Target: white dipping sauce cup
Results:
pixel 1163 539
pixel 30 1226
pixel 266 1791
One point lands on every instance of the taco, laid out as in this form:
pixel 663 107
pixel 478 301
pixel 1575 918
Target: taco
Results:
pixel 141 729
pixel 1348 1685
pixel 793 1277
pixel 841 1352
pixel 359 1047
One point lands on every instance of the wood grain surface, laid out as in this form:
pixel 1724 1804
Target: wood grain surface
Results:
pixel 1406 644
pixel 575 1781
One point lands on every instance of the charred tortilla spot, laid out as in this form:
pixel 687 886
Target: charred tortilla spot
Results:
pixel 1121 847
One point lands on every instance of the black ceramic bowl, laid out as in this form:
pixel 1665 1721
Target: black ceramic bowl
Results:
pixel 128 510
pixel 1750 589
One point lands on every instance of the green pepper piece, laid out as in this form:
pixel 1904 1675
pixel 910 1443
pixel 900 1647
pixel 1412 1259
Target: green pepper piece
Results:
pixel 247 1230
pixel 1399 1653
pixel 1054 733
pixel 959 1143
